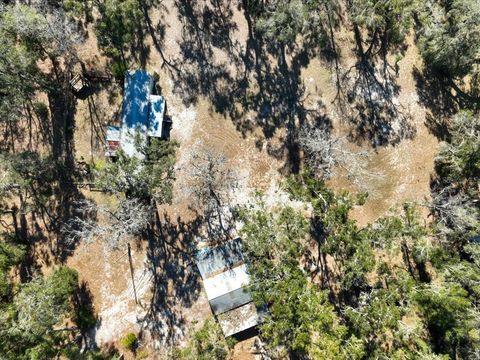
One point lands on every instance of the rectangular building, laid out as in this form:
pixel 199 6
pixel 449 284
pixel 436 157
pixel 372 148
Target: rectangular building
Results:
pixel 226 280
pixel 142 115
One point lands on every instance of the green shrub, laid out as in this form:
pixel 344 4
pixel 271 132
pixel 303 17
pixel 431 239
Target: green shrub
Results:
pixel 129 342
pixel 143 354
pixel 98 164
pixel 231 342
pixel 207 343
pixel 41 110
pixel 118 70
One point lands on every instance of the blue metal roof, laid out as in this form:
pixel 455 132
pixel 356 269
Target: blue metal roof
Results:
pixel 138 85
pixel 221 257
pixel 157 109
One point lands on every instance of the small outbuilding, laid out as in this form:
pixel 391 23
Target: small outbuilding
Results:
pixel 225 280
pixel 113 140
pixel 78 83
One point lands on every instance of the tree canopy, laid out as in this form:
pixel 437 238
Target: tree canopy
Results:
pixel 448 41
pixel 151 178
pixel 28 327
pixel 365 292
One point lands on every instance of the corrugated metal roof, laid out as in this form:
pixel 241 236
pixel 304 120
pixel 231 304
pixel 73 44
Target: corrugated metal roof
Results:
pixel 225 256
pixel 157 110
pixel 137 88
pixel 142 113
pixel 225 279
pixel 241 318
pixel 226 282
pixel 112 133
pixel 230 300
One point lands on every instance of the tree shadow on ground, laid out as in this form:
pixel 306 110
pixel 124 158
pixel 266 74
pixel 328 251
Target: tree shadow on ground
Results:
pixel 62 108
pixel 436 94
pixel 61 125
pixel 377 116
pixel 256 87
pixel 157 32
pixel 219 223
pixel 84 315
pixel 46 201
pixel 176 282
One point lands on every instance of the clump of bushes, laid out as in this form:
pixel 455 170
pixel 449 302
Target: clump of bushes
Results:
pixel 118 70
pixel 206 343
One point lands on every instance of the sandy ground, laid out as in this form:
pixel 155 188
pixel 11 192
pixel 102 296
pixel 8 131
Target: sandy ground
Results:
pixel 110 282
pixel 406 168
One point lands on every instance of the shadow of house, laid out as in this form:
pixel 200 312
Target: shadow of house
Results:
pixel 225 280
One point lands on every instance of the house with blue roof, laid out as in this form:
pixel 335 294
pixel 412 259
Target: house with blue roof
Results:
pixel 142 116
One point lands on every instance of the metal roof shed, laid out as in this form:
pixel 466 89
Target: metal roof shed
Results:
pixel 225 279
pixel 211 260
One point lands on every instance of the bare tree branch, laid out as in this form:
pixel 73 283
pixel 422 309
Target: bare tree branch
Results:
pixel 211 182
pixel 454 211
pixel 325 152
pixel 113 226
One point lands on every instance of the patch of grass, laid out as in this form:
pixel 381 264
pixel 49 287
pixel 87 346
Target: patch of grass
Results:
pixel 98 164
pixel 231 342
pixel 142 354
pixel 129 342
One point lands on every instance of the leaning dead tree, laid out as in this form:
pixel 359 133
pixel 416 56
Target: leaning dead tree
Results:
pixel 455 212
pixel 113 226
pixel 325 153
pixel 211 183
